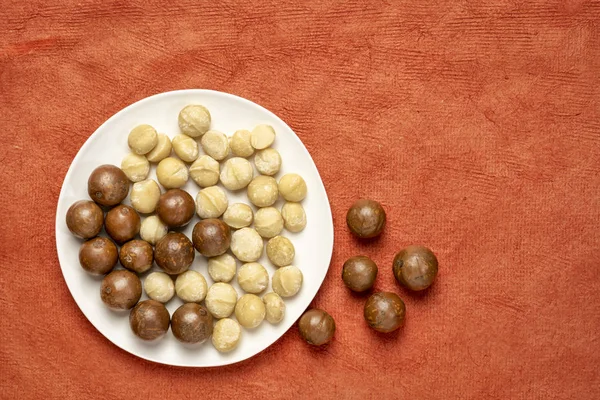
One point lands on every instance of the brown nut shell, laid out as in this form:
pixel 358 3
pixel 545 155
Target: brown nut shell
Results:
pixel 121 290
pixel 366 218
pixel 85 219
pixel 149 320
pixel 192 323
pixel 98 255
pixel 137 256
pixel 108 185
pixel 316 327
pixel 211 237
pixel 384 311
pixel 122 223
pixel 359 273
pixel 415 267
pixel 174 253
pixel 176 208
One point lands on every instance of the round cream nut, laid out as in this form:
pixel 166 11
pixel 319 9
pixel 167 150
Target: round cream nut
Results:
pixel 194 120
pixel 215 144
pixel 191 286
pixel 136 167
pixel 275 307
pixel 267 161
pixel 144 196
pixel 253 277
pixel 211 202
pixel 262 191
pixel 205 171
pixel 240 144
pixel 280 251
pixel 236 173
pixel 226 335
pixel 142 139
pixel 238 215
pixel 172 173
pixel 221 299
pixel 287 281
pixel 246 245
pixel 294 217
pixel 185 147
pixel 162 149
pixel 159 286
pixel 250 311
pixel 268 222
pixel 153 229
pixel 292 187
pixel 222 268
pixel 262 136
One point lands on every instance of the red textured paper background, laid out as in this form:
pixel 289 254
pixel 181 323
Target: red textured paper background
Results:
pixel 475 123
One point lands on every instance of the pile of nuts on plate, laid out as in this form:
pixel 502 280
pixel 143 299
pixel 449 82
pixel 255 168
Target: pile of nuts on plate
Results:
pixel 222 227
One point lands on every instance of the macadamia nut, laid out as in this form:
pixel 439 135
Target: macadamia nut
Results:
pixel 262 136
pixel 215 144
pixel 236 173
pixel 280 251
pixel 221 300
pixel 162 149
pixel 238 215
pixel 205 171
pixel 246 245
pixel 159 286
pixel 142 139
pixel 153 229
pixel 194 120
pixel 144 196
pixel 253 277
pixel 136 167
pixel 268 222
pixel 172 173
pixel 240 144
pixel 250 311
pixel 262 191
pixel 185 147
pixel 292 187
pixel 267 161
pixel 211 202
pixel 226 335
pixel 287 281
pixel 191 287
pixel 222 268
pixel 294 217
pixel 275 307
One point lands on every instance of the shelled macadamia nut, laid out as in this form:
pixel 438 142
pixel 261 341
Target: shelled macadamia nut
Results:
pixel 153 229
pixel 250 311
pixel 287 281
pixel 144 196
pixel 268 222
pixel 267 161
pixel 185 147
pixel 136 167
pixel 222 268
pixel 172 173
pixel 238 215
pixel 194 120
pixel 215 144
pixel 162 149
pixel 159 286
pixel 205 171
pixel 142 139
pixel 280 251
pixel 262 191
pixel 262 136
pixel 253 278
pixel 275 307
pixel 246 245
pixel 226 335
pixel 191 287
pixel 211 202
pixel 240 144
pixel 292 187
pixel 221 299
pixel 236 173
pixel 294 217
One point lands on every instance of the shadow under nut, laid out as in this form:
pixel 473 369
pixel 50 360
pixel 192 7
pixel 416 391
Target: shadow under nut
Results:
pixel 108 185
pixel 174 253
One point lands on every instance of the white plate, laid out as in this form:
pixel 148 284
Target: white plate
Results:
pixel 108 145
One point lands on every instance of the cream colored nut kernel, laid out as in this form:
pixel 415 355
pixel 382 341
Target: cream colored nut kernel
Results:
pixel 268 222
pixel 246 245
pixel 136 167
pixel 191 287
pixel 253 277
pixel 222 268
pixel 275 307
pixel 280 251
pixel 262 191
pixel 226 335
pixel 211 202
pixel 144 196
pixel 185 147
pixel 287 281
pixel 236 173
pixel 240 144
pixel 153 229
pixel 267 161
pixel 205 171
pixel 142 139
pixel 194 120
pixel 215 144
pixel 294 217
pixel 162 149
pixel 262 136
pixel 292 187
pixel 159 286
pixel 250 311
pixel 238 215
pixel 172 173
pixel 221 299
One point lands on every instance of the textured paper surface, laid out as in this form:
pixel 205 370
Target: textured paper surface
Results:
pixel 475 123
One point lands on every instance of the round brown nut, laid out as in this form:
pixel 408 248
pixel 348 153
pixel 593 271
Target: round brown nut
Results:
pixel 211 237
pixel 316 327
pixel 85 219
pixel 192 323
pixel 415 267
pixel 176 208
pixel 98 255
pixel 174 253
pixel 149 320
pixel 137 256
pixel 121 290
pixel 384 311
pixel 359 273
pixel 108 185
pixel 366 218
pixel 122 223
